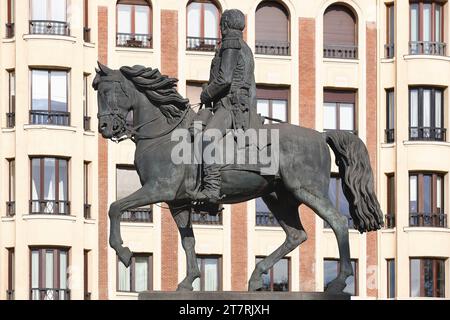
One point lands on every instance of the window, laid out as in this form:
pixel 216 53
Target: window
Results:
pixel 390 278
pixel 203 25
pixel 390 115
pixel 339 110
pixel 86 117
pixel 273 103
pixel 426 114
pixel 390 31
pixel 87 293
pixel 49 274
pixel 49 103
pixel 127 182
pixel 211 274
pixel 338 199
pixel 340 33
pixel 427 278
pixel 390 216
pixel 426 28
pixel 426 200
pixel 134 24
pixel 11 203
pixel 277 278
pixel 49 186
pixel 331 270
pixel 272 29
pixel 49 17
pixel 138 276
pixel 264 217
pixel 86 29
pixel 11 115
pixel 11 274
pixel 10 19
pixel 86 190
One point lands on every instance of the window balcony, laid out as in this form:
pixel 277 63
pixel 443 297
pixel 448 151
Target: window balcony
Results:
pixel 438 220
pixel 427 48
pixel 389 50
pixel 427 134
pixel 389 221
pixel 10 119
pixel 10 30
pixel 59 118
pixel 143 215
pixel 10 208
pixel 47 27
pixel 134 40
pixel 50 294
pixel 87 123
pixel 202 44
pixel 390 136
pixel 9 294
pixel 87 211
pixel 56 207
pixel 207 219
pixel 340 51
pixel 276 48
pixel 87 34
pixel 266 219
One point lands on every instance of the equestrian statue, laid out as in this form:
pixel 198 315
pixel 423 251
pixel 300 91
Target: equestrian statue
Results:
pixel 302 173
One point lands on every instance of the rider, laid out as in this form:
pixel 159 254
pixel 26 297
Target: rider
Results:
pixel 231 90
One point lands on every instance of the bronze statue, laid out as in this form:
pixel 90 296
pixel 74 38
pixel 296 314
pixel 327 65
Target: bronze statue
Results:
pixel 302 175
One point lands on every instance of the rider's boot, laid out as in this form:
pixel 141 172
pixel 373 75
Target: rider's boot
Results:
pixel 211 184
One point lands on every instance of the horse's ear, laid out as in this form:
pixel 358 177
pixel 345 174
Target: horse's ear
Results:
pixel 104 68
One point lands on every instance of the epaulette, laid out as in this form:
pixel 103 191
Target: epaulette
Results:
pixel 231 43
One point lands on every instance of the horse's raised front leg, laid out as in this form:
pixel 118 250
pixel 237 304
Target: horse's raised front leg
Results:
pixel 182 218
pixel 285 210
pixel 137 199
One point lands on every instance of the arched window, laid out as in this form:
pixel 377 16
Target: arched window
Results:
pixel 134 23
pixel 340 33
pixel 203 25
pixel 272 29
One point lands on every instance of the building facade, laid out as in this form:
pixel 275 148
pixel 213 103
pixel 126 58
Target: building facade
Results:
pixel 359 66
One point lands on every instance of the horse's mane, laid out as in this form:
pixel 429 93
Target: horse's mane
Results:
pixel 159 89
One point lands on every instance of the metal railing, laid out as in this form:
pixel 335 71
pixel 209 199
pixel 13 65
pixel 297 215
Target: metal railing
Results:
pixel 87 34
pixel 390 221
pixel 340 51
pixel 57 207
pixel 134 40
pixel 389 50
pixel 427 133
pixel 59 118
pixel 60 28
pixel 10 30
pixel 87 211
pixel 427 47
pixel 390 135
pixel 10 208
pixel 49 294
pixel 9 294
pixel 207 219
pixel 137 215
pixel 87 123
pixel 428 220
pixel 10 119
pixel 266 219
pixel 276 48
pixel 202 44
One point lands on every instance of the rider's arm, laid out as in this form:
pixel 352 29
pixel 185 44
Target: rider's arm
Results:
pixel 222 82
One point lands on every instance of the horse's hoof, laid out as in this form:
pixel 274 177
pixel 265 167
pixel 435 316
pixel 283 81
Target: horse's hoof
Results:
pixel 125 255
pixel 183 287
pixel 255 285
pixel 335 287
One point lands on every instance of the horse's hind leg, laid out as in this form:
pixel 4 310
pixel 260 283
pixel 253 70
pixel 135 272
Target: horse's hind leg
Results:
pixel 285 209
pixel 182 218
pixel 325 209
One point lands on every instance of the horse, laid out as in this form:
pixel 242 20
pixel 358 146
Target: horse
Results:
pixel 303 173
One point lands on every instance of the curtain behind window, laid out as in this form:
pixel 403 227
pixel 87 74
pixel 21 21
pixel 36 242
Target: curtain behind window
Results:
pixel 193 16
pixel 141 274
pixel 211 27
pixel 124 278
pixel 124 18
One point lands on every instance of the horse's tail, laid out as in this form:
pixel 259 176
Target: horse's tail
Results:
pixel 356 174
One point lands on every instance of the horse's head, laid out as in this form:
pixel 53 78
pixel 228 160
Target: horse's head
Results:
pixel 115 100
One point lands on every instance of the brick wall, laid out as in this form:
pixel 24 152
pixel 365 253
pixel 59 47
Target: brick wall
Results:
pixel 103 170
pixel 307 79
pixel 239 247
